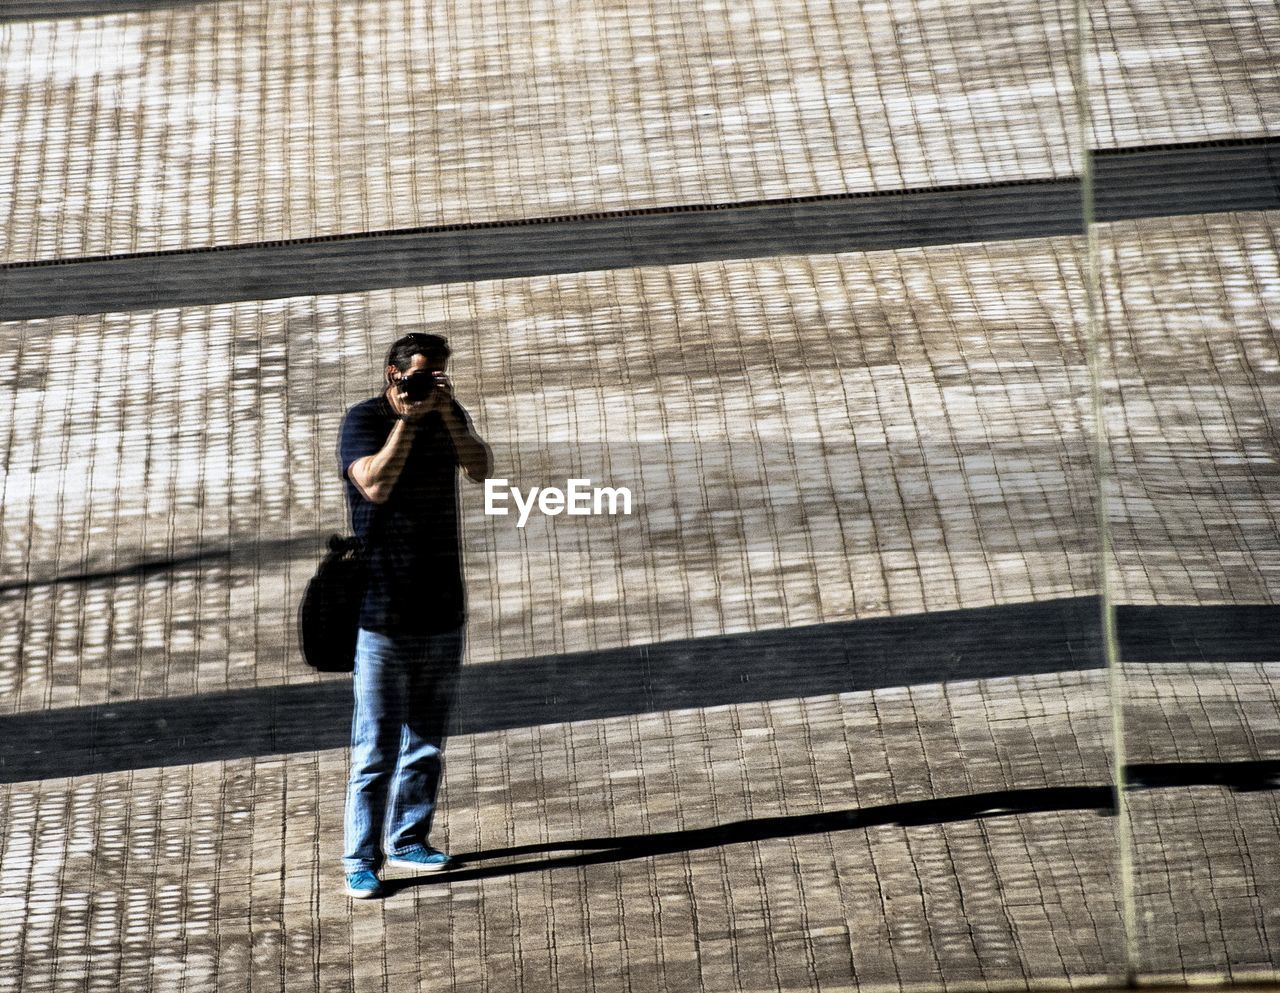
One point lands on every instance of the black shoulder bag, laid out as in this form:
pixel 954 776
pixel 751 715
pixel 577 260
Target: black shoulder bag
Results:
pixel 329 616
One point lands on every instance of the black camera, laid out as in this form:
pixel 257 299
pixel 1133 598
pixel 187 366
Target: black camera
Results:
pixel 419 386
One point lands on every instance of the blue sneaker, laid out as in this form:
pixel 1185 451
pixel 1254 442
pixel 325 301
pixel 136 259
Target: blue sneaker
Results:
pixel 363 884
pixel 425 859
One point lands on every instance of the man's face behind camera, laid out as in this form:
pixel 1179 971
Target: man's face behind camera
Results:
pixel 418 386
pixel 418 381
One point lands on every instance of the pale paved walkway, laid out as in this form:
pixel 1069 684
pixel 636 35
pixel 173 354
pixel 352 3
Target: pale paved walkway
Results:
pixel 1129 183
pixel 172 127
pixel 883 455
pixel 588 864
pixel 862 838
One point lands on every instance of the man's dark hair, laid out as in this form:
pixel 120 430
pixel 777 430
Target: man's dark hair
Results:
pixel 431 346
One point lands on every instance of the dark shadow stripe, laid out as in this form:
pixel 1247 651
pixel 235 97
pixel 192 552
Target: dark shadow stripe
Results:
pixel 1019 639
pixel 1129 183
pixel 250 551
pixel 943 810
pixel 50 10
pixel 600 851
pixel 1243 777
pixel 1217 634
pixel 519 222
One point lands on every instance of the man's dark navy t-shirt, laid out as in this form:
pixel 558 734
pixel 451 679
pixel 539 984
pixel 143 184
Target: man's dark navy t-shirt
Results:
pixel 411 541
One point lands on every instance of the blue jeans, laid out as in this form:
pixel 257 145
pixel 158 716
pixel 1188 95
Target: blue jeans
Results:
pixel 403 688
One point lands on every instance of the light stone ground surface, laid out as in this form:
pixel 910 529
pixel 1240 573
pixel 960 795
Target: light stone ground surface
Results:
pixel 811 440
pixel 224 876
pixel 217 123
pixel 1192 308
pixel 1206 865
pixel 807 440
pixel 965 370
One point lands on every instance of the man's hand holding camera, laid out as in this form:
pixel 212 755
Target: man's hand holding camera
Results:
pixel 412 393
pixel 416 394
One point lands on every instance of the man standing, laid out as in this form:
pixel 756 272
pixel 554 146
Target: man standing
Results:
pixel 400 452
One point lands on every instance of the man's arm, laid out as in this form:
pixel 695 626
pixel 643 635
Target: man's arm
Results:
pixel 376 475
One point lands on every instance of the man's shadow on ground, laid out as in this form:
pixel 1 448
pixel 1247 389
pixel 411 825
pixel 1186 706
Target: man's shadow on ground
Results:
pixel 1244 776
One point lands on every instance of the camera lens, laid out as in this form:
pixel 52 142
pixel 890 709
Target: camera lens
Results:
pixel 418 386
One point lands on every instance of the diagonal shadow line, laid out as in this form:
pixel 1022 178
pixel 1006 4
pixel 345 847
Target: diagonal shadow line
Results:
pixel 761 665
pixel 976 644
pixel 1000 803
pixel 1245 776
pixel 1055 636
pixel 1155 181
pixel 147 567
pixel 44 10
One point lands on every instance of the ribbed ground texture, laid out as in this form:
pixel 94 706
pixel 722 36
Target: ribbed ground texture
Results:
pixel 824 443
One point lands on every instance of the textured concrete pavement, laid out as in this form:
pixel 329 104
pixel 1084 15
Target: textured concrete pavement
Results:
pixel 952 831
pixel 827 711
